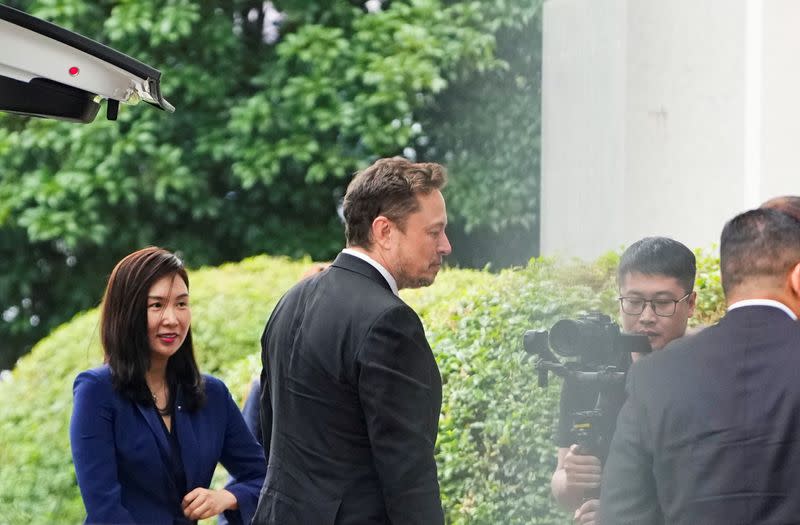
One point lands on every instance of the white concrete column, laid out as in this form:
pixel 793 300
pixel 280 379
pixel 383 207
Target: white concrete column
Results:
pixel 664 118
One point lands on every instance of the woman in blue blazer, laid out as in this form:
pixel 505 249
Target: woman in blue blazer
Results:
pixel 147 428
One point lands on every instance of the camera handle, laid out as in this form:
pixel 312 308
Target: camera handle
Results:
pixel 589 426
pixel 585 430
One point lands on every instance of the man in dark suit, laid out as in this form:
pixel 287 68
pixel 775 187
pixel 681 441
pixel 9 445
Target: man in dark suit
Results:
pixel 710 432
pixel 352 393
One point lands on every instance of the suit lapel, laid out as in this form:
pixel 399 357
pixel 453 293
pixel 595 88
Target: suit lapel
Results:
pixel 152 418
pixel 188 442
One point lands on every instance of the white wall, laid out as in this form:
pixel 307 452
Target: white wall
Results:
pixel 583 99
pixel 664 118
pixel 780 98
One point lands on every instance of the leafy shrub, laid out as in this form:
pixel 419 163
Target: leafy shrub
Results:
pixel 495 450
pixel 710 300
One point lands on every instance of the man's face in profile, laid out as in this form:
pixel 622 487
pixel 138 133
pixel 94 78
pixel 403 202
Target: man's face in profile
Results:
pixel 655 305
pixel 418 248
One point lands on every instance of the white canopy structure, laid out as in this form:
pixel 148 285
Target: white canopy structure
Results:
pixel 49 71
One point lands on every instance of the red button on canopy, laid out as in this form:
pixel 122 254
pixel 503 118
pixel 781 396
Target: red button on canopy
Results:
pixel 73 71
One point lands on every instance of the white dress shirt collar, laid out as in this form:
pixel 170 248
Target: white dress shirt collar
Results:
pixel 378 266
pixel 763 302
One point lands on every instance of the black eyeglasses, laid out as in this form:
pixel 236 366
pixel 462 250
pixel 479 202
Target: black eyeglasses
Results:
pixel 661 307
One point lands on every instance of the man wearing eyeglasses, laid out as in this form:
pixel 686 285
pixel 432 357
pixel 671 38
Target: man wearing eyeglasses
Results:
pixel 656 280
pixel 710 430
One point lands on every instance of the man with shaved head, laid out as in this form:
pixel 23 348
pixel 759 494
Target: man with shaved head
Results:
pixel 710 431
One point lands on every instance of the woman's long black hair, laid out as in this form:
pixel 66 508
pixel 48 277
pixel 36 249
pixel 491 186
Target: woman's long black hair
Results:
pixel 123 330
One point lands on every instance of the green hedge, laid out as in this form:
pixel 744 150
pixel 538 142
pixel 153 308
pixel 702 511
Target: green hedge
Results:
pixel 495 450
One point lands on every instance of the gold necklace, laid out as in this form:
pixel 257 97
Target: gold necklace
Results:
pixel 155 400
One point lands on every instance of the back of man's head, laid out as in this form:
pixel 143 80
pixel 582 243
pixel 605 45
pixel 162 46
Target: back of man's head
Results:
pixel 389 187
pixel 659 256
pixel 789 204
pixel 758 249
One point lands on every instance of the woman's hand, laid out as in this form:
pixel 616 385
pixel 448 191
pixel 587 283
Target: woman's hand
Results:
pixel 203 503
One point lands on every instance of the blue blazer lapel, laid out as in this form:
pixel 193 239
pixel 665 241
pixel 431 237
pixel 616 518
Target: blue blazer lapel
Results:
pixel 188 441
pixel 152 418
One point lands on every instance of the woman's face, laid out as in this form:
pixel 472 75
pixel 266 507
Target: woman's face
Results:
pixel 168 316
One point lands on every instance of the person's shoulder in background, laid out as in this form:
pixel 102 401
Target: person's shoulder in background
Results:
pixel 314 269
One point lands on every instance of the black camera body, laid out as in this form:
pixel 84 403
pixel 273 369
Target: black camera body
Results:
pixel 598 354
pixel 595 340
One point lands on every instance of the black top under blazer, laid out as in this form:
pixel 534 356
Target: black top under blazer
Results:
pixel 710 433
pixel 350 405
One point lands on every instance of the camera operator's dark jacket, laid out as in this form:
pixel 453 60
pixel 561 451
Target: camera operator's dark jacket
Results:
pixel 710 433
pixel 350 408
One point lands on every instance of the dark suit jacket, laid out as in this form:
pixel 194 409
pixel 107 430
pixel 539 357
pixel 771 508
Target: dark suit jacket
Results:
pixel 350 405
pixel 251 411
pixel 710 433
pixel 121 453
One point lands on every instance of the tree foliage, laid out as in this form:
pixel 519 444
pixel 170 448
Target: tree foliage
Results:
pixel 272 118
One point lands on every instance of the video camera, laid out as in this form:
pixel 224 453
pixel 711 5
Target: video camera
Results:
pixel 599 355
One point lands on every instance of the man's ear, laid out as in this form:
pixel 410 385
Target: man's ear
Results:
pixel 692 302
pixel 382 229
pixel 794 280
